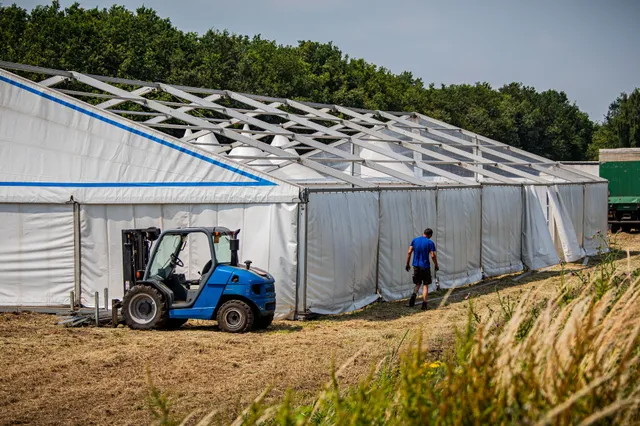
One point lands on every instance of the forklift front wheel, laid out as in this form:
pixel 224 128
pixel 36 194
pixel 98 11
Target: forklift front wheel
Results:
pixel 235 316
pixel 143 308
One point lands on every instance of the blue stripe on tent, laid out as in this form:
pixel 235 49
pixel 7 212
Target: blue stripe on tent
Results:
pixel 258 180
pixel 121 184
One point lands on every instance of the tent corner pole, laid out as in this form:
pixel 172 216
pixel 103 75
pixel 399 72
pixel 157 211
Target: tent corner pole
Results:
pixel 481 231
pixel 378 249
pixel 300 308
pixel 77 247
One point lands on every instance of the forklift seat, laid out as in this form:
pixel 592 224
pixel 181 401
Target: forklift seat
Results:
pixel 174 282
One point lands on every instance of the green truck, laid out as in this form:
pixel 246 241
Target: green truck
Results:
pixel 621 167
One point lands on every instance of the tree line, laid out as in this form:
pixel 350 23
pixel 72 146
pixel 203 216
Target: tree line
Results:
pixel 141 45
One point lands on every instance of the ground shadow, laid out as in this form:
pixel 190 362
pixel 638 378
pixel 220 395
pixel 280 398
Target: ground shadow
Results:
pixel 384 311
pixel 620 254
pixel 212 326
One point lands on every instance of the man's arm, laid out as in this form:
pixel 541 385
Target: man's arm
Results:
pixel 435 260
pixel 409 258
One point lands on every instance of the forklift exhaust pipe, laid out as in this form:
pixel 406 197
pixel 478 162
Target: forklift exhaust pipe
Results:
pixel 234 244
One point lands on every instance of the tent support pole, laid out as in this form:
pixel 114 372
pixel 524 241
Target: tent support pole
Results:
pixel 301 276
pixel 437 231
pixel 306 257
pixel 378 249
pixel 584 206
pixel 481 230
pixel 522 222
pixel 77 247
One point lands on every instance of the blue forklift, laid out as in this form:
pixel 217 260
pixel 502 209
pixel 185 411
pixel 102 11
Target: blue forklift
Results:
pixel 158 294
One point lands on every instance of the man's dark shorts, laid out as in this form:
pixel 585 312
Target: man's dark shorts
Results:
pixel 421 275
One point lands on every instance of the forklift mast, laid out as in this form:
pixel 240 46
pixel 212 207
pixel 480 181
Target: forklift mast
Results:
pixel 136 249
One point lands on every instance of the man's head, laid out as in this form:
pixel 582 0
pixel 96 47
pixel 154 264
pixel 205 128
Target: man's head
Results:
pixel 428 233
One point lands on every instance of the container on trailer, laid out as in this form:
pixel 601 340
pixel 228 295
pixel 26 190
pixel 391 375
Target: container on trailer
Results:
pixel 621 167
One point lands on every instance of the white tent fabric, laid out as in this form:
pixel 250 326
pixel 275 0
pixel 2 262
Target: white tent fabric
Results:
pixel 595 219
pixel 458 236
pixel 207 142
pixel 573 200
pixel 341 251
pixel 249 151
pixel 37 253
pixel 292 171
pixel 53 146
pixel 501 230
pixel 565 237
pixel 375 156
pixel 55 149
pixel 538 250
pixel 268 237
pixel 543 199
pixel 404 215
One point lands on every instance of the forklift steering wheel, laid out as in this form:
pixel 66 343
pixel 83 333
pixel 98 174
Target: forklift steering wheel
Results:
pixel 176 261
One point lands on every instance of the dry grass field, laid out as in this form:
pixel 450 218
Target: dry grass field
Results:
pixel 55 375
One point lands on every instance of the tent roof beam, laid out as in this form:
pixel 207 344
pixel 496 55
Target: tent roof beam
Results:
pixel 320 129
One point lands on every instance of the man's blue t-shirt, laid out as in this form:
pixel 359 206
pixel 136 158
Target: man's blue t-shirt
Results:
pixel 422 246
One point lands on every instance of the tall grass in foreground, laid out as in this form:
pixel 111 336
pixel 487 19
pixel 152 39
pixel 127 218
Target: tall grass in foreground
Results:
pixel 571 359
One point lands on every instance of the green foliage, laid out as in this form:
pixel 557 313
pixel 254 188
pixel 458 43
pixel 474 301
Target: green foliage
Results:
pixel 159 404
pixel 621 128
pixel 141 45
pixel 557 361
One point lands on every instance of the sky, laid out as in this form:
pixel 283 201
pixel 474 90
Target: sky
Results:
pixel 590 49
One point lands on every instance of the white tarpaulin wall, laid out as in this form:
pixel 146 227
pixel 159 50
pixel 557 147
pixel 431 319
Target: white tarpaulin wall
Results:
pixel 501 230
pixel 564 235
pixel 268 237
pixel 596 198
pixel 55 149
pixel 538 250
pixel 573 199
pixel 342 246
pixel 37 253
pixel 404 215
pixel 53 146
pixel 458 236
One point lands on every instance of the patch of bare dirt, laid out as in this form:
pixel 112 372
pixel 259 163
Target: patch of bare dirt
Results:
pixel 55 375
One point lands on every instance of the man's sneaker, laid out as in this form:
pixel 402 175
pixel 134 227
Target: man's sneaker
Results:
pixel 424 306
pixel 412 301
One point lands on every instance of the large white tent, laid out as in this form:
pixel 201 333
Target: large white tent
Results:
pixel 327 197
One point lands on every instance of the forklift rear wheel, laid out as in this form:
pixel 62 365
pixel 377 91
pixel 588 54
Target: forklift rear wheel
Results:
pixel 143 308
pixel 260 323
pixel 235 316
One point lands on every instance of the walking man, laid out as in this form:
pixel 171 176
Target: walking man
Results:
pixel 422 247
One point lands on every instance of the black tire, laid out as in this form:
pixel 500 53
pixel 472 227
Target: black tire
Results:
pixel 615 228
pixel 173 323
pixel 235 316
pixel 143 308
pixel 261 323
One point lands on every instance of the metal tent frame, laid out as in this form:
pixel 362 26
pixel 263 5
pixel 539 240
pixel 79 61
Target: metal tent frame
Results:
pixel 319 135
